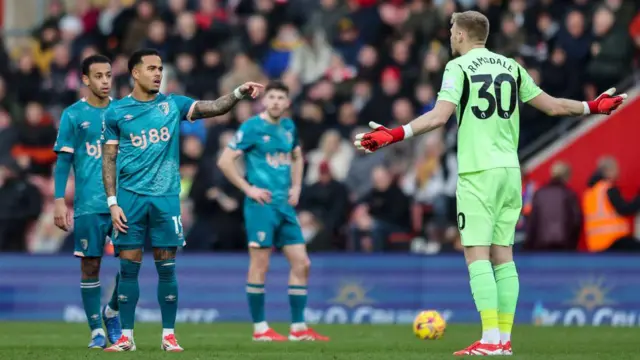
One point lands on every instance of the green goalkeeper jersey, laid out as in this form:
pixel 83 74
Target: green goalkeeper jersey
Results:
pixel 485 87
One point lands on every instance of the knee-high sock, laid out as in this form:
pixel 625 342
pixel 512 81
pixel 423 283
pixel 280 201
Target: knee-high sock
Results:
pixel 485 295
pixel 128 293
pixel 90 290
pixel 255 297
pixel 297 302
pixel 167 292
pixel 508 285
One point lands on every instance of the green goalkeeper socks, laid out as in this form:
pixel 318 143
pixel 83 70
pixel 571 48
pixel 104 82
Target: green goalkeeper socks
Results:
pixel 167 292
pixel 255 297
pixel 113 302
pixel 90 289
pixel 485 295
pixel 508 286
pixel 128 292
pixel 297 302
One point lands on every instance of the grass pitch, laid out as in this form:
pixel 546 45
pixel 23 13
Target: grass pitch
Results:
pixel 51 341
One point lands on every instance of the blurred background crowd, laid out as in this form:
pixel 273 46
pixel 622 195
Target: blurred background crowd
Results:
pixel 347 62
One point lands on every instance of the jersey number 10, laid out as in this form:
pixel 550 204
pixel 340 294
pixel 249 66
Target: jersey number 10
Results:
pixel 495 102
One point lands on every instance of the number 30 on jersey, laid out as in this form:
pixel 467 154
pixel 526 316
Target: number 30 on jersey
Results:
pixel 495 102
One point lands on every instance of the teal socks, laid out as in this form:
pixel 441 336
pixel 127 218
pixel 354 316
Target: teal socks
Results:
pixel 113 302
pixel 90 289
pixel 128 292
pixel 167 292
pixel 255 297
pixel 297 302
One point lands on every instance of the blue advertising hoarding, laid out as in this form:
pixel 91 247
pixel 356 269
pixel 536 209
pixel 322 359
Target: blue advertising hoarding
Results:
pixel 554 290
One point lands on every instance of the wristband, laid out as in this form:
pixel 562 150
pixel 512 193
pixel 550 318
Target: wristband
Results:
pixel 238 94
pixel 587 109
pixel 112 200
pixel 408 131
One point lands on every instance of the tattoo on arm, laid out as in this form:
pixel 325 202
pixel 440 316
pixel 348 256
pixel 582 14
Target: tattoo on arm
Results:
pixel 109 155
pixel 207 109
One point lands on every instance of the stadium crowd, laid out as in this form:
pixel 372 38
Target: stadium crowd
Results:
pixel 347 62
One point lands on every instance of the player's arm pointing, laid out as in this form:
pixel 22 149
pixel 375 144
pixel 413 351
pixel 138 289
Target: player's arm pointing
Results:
pixel 206 109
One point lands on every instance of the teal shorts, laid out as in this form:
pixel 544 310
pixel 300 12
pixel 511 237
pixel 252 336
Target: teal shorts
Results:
pixel 271 225
pixel 489 204
pixel 90 234
pixel 154 217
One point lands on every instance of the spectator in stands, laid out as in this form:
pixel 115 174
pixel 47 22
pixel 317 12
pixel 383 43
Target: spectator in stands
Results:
pixel 559 78
pixel 217 206
pixel 136 29
pixel 574 39
pixel 21 205
pixel 383 212
pixel 555 221
pixel 311 124
pixel 7 134
pixel 242 70
pixel 431 182
pixel 35 139
pixel 327 202
pixel 157 38
pixel 359 180
pixel 347 119
pixel 511 37
pixel 605 210
pixel 257 42
pixel 310 61
pixel 611 51
pixel 278 58
pixel 333 150
pixel 327 17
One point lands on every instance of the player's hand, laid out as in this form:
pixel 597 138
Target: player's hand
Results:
pixel 249 90
pixel 261 196
pixel 118 219
pixel 606 102
pixel 61 215
pixel 378 138
pixel 294 195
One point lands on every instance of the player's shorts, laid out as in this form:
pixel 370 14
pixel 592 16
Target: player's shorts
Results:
pixel 271 225
pixel 154 217
pixel 90 234
pixel 489 204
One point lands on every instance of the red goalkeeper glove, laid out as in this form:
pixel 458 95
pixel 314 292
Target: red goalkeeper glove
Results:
pixel 381 137
pixel 605 103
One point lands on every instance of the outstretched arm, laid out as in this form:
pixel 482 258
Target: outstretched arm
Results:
pixel 209 108
pixel 603 104
pixel 382 136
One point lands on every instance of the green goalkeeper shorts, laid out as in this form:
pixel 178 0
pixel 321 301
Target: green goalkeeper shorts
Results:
pixel 489 204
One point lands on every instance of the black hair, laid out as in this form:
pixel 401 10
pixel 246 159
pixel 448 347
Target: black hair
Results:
pixel 136 57
pixel 93 59
pixel 276 85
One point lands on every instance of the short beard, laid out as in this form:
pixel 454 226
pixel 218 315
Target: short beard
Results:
pixel 153 91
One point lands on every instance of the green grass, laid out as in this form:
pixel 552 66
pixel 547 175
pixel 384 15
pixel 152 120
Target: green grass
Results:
pixel 50 341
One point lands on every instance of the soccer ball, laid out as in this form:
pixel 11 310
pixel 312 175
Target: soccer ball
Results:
pixel 429 325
